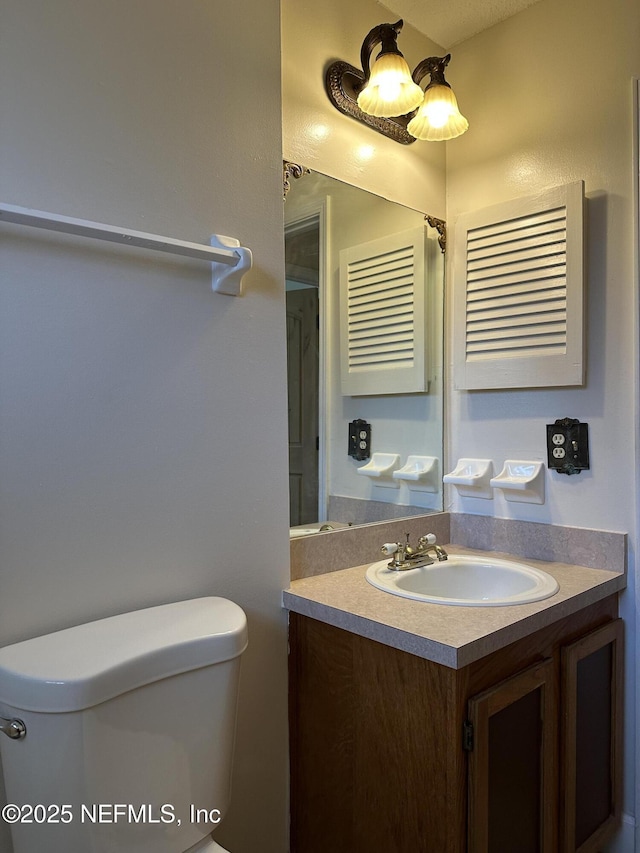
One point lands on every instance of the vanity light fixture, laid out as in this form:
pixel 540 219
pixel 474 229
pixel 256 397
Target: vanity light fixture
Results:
pixel 385 98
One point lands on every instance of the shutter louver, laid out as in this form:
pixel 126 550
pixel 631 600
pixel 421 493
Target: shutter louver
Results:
pixel 382 315
pixel 380 309
pixel 520 323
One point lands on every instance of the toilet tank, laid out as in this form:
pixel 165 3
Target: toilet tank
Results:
pixel 130 725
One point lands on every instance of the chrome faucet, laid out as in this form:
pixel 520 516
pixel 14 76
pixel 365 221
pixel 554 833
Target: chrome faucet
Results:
pixel 405 557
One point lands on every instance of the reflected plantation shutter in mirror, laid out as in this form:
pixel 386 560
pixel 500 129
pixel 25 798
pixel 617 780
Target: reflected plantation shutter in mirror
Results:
pixel 518 293
pixel 383 315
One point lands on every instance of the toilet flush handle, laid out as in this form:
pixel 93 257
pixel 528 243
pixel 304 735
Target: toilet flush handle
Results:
pixel 12 728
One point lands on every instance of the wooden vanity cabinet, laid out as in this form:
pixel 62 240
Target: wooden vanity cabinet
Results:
pixel 519 751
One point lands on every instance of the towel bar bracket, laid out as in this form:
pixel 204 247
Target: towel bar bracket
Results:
pixel 227 279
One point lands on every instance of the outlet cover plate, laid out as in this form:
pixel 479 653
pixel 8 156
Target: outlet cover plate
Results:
pixel 568 446
pixel 359 439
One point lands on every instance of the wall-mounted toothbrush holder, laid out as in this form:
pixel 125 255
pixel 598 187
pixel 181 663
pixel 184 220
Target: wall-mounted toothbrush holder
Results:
pixel 521 481
pixel 419 473
pixel 380 468
pixel 472 478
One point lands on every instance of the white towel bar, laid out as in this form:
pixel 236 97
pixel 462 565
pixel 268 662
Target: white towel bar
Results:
pixel 229 260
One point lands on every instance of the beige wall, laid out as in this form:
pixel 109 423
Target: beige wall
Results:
pixel 143 418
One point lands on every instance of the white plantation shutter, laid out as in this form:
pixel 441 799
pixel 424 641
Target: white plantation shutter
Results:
pixel 382 315
pixel 518 293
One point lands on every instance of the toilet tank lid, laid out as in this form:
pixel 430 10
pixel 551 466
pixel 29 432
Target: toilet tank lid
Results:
pixel 88 664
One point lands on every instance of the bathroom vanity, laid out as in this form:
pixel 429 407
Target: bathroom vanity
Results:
pixel 422 728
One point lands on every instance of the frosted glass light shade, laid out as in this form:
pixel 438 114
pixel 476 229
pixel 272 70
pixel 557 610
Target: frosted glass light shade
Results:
pixel 439 117
pixel 390 90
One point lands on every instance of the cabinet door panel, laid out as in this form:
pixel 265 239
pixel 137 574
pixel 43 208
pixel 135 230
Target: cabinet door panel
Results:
pixel 512 765
pixel 591 738
pixel 515 775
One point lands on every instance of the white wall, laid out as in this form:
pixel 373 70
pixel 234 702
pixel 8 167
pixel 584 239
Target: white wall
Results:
pixel 548 95
pixel 143 419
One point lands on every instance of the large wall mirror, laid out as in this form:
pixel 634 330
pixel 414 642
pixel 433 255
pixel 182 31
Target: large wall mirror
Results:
pixel 323 218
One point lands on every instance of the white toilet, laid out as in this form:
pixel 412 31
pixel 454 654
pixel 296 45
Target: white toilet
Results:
pixel 129 731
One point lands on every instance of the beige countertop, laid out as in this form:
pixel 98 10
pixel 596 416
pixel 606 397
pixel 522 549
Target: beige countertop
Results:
pixel 450 635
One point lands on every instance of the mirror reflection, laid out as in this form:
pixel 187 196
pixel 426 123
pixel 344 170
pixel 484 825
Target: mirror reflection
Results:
pixel 327 221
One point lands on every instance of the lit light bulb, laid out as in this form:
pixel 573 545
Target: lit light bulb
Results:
pixel 438 118
pixel 438 112
pixel 390 90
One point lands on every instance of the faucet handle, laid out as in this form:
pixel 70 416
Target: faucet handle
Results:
pixel 389 548
pixel 427 539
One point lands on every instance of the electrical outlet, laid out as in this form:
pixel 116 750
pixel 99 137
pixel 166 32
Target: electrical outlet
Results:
pixel 568 446
pixel 359 439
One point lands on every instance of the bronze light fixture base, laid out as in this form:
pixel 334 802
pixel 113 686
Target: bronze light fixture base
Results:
pixel 342 83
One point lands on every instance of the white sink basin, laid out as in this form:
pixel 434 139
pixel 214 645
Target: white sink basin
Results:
pixel 295 532
pixel 466 580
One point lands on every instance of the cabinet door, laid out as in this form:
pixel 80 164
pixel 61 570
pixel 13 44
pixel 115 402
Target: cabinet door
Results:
pixel 512 765
pixel 591 739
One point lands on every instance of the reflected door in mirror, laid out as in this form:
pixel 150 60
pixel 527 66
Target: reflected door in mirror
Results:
pixel 302 364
